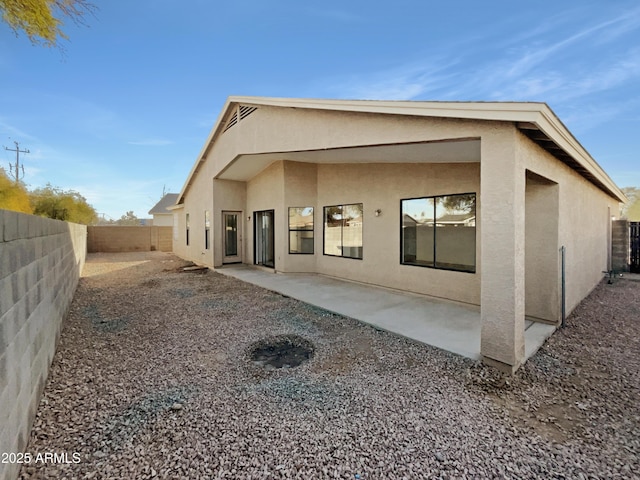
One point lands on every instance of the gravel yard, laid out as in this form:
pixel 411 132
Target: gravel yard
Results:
pixel 153 378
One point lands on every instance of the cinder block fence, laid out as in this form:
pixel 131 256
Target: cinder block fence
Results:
pixel 40 264
pixel 130 239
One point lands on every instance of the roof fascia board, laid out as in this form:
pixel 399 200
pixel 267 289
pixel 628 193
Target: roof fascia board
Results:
pixel 549 124
pixel 514 111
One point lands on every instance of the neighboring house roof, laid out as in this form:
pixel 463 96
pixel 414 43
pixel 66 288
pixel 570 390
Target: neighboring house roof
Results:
pixel 408 221
pixel 455 218
pixel 301 221
pixel 536 120
pixel 161 207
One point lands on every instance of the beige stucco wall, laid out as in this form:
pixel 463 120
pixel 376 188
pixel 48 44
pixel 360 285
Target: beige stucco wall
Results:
pixel 542 252
pixel 584 221
pixel 230 196
pixel 301 181
pixel 379 186
pixel 266 192
pixel 271 129
pixel 163 220
pixel 502 241
pixel 195 205
pixel 383 186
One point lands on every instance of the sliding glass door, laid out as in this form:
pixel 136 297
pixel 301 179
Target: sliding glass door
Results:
pixel 264 238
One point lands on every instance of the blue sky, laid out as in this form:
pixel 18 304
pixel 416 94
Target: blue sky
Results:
pixel 123 112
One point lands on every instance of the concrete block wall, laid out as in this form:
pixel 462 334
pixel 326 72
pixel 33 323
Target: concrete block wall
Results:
pixel 130 239
pixel 620 246
pixel 40 265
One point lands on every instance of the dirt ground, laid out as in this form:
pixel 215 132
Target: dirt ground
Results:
pixel 153 379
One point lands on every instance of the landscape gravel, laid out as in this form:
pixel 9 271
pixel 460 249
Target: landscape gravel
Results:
pixel 153 378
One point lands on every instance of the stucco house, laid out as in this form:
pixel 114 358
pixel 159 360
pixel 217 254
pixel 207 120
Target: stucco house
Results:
pixel 466 201
pixel 162 216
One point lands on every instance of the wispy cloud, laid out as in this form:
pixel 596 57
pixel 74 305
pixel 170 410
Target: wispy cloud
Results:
pixel 10 133
pixel 558 84
pixel 541 64
pixel 536 55
pixel 585 116
pixel 608 77
pixel 625 23
pixel 405 82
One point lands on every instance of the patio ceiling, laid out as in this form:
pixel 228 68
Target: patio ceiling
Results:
pixel 246 166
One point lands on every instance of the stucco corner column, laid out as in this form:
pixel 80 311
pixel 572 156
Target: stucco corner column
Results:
pixel 502 243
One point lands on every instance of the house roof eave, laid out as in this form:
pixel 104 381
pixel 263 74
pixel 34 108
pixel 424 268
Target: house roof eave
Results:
pixel 560 142
pixel 522 114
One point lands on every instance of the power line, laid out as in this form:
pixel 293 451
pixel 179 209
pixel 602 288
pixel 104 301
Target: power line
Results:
pixel 16 174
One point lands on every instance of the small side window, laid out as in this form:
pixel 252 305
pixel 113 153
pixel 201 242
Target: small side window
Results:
pixel 187 228
pixel 207 229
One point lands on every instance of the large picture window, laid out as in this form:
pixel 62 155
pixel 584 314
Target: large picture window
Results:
pixel 343 230
pixel 301 230
pixel 440 232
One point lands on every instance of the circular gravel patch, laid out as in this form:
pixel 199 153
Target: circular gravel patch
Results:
pixel 282 351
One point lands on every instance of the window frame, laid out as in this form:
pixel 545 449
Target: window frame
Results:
pixel 473 269
pixel 313 230
pixel 207 229
pixel 187 218
pixel 324 223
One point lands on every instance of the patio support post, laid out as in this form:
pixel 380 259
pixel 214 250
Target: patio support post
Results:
pixel 502 247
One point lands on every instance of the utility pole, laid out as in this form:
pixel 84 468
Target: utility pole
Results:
pixel 16 174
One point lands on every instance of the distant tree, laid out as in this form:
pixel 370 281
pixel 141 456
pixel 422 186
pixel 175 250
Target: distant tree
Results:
pixel 42 20
pixel 67 205
pixel 128 219
pixel 631 210
pixel 460 203
pixel 103 220
pixel 13 195
pixel 334 216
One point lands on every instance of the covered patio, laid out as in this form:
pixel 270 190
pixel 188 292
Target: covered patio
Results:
pixel 444 324
pixel 520 186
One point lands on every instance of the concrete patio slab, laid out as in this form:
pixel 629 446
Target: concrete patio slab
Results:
pixel 448 325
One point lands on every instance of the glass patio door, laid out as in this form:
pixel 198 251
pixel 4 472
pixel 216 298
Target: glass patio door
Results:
pixel 264 238
pixel 232 237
